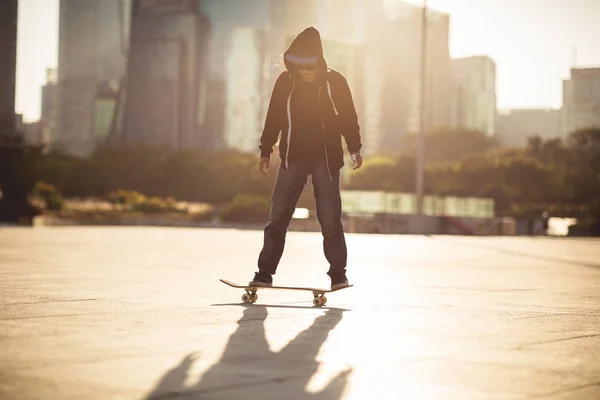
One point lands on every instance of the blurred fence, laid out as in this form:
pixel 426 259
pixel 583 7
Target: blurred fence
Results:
pixel 379 202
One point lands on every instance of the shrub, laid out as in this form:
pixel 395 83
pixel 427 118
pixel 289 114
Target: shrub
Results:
pixel 52 199
pixel 135 201
pixel 246 208
pixel 126 198
pixel 156 204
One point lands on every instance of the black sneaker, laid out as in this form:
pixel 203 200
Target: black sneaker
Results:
pixel 339 282
pixel 261 279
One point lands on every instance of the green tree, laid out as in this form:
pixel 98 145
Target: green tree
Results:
pixel 376 174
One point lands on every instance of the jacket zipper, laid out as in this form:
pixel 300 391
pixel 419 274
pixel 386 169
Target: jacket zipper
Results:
pixel 289 135
pixel 324 144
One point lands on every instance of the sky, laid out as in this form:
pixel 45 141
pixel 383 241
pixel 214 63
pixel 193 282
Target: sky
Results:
pixel 37 49
pixel 532 42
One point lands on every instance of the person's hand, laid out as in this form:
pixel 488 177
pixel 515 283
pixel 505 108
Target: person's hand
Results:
pixel 359 161
pixel 263 165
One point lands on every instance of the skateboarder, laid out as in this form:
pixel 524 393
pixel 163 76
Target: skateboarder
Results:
pixel 312 107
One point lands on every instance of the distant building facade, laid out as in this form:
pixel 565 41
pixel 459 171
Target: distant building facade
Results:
pixel 246 45
pixel 392 74
pixel 8 63
pixel 48 115
pixel 515 127
pixel 34 134
pixel 92 52
pixel 581 100
pixel 473 104
pixel 214 63
pixel 246 49
pixel 249 73
pixel 163 101
pixel 236 72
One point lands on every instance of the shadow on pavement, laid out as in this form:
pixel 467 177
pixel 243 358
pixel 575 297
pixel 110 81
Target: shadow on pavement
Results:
pixel 281 306
pixel 249 368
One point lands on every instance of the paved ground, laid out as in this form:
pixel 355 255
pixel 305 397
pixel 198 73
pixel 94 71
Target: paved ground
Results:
pixel 138 313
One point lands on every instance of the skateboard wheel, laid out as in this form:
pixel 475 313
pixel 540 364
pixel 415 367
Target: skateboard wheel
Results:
pixel 246 298
pixel 253 298
pixel 323 300
pixel 317 302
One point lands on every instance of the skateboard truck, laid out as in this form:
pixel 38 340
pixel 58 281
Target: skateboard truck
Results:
pixel 319 299
pixel 250 296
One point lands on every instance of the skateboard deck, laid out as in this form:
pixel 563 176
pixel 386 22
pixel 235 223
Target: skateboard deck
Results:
pixel 250 296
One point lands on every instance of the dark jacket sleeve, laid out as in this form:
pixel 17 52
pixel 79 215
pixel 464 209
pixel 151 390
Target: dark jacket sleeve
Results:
pixel 347 115
pixel 273 120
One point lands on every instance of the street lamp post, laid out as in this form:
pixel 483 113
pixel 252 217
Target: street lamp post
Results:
pixel 422 105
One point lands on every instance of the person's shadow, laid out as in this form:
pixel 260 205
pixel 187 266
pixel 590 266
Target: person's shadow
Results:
pixel 248 367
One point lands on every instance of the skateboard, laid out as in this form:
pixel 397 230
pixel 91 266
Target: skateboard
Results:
pixel 250 296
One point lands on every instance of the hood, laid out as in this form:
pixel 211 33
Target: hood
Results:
pixel 307 47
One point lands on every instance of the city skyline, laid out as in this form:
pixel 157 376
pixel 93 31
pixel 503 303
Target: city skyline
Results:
pixel 545 53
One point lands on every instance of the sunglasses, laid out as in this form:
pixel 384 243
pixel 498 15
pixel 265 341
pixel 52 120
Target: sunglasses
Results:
pixel 307 67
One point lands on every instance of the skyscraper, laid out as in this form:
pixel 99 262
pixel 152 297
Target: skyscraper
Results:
pixel 473 102
pixel 165 95
pixel 92 51
pixel 239 71
pixel 49 106
pixel 247 40
pixel 8 60
pixel 248 74
pixel 392 72
pixel 581 100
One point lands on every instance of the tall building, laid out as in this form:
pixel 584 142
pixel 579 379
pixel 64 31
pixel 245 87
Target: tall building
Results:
pixel 165 96
pixel 244 57
pixel 239 71
pixel 473 104
pixel 34 134
pixel 30 132
pixel 248 77
pixel 92 51
pixel 392 72
pixel 515 127
pixel 48 117
pixel 247 40
pixel 581 100
pixel 8 60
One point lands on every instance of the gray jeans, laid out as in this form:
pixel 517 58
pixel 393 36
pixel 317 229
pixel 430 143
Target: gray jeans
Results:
pixel 287 190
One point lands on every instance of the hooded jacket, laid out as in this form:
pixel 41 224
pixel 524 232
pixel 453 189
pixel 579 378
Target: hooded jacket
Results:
pixel 338 114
